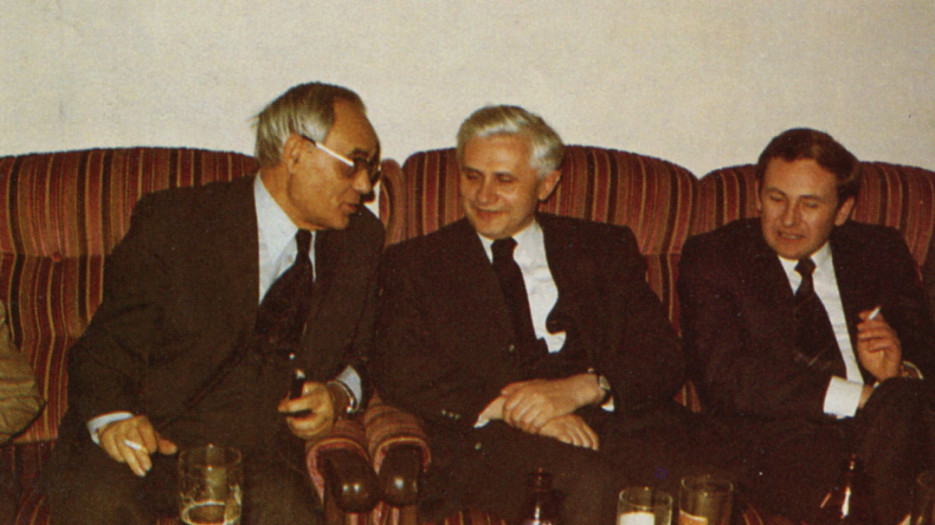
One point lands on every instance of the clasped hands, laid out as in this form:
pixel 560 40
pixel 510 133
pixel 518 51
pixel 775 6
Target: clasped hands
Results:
pixel 134 440
pixel 546 407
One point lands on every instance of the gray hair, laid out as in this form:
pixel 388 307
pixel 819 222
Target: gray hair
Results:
pixel 307 109
pixel 547 147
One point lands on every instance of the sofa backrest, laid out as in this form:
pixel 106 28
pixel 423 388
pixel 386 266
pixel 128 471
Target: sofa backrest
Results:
pixel 655 198
pixel 899 196
pixel 61 214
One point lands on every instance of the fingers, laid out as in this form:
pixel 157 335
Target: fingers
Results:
pixel 572 430
pixel 164 446
pixel 512 387
pixel 314 412
pixel 310 427
pixel 131 441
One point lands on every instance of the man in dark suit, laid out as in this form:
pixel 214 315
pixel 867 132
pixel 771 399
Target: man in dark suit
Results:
pixel 794 361
pixel 176 357
pixel 575 372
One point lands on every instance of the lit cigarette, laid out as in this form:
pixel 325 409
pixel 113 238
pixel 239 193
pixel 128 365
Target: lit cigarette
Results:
pixel 874 313
pixel 133 444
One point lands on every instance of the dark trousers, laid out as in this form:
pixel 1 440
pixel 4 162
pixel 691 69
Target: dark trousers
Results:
pixel 487 468
pixel 87 486
pixel 788 466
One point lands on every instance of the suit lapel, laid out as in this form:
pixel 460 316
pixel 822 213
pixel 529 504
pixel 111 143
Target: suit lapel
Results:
pixel 766 280
pixel 468 262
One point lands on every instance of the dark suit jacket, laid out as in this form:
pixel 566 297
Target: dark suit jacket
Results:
pixel 737 315
pixel 181 295
pixel 444 336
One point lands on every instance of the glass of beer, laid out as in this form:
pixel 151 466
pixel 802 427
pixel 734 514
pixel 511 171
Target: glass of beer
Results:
pixel 705 500
pixel 644 506
pixel 210 485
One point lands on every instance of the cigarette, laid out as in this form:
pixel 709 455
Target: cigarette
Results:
pixel 874 313
pixel 133 444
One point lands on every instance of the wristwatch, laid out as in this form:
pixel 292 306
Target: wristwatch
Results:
pixel 602 383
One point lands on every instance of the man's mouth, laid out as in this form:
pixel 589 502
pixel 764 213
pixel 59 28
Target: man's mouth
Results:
pixel 789 236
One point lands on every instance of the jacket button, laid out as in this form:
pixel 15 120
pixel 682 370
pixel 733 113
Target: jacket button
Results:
pixel 510 349
pixel 478 446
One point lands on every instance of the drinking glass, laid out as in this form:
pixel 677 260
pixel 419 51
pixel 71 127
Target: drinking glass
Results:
pixel 923 502
pixel 210 485
pixel 705 500
pixel 644 506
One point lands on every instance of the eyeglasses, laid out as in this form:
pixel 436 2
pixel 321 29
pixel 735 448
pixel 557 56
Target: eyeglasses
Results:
pixel 356 165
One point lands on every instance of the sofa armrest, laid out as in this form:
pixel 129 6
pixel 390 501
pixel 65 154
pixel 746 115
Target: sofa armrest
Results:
pixel 340 467
pixel 398 449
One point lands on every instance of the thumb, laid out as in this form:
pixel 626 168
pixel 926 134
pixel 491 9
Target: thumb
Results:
pixel 512 387
pixel 166 447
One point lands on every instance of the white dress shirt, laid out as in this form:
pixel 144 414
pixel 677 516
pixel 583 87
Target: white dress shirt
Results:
pixel 843 394
pixel 278 250
pixel 529 255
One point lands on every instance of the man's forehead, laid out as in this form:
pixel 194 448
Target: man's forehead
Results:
pixel 799 177
pixel 352 130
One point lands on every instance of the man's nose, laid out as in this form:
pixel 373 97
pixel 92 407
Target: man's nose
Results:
pixel 362 183
pixel 790 215
pixel 486 192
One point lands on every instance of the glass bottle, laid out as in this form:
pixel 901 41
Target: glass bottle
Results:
pixel 845 503
pixel 541 504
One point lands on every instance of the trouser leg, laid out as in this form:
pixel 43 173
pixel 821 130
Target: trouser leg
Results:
pixel 278 491
pixel 488 470
pixel 85 485
pixel 891 442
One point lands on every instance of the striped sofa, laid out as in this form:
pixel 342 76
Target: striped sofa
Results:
pixel 62 213
pixel 661 202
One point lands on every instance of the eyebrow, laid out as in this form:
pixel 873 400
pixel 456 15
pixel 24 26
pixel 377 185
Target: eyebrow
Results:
pixel 784 194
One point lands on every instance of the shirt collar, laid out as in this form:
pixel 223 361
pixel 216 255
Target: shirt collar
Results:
pixel 821 257
pixel 529 242
pixel 276 230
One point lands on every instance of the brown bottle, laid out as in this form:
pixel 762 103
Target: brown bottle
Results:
pixel 845 503
pixel 541 504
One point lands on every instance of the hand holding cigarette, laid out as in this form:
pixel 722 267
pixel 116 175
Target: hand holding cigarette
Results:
pixel 878 350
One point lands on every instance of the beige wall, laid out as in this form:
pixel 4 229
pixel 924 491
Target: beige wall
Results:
pixel 702 83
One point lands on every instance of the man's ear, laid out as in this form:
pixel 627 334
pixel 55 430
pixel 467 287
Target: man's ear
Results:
pixel 292 151
pixel 547 184
pixel 844 211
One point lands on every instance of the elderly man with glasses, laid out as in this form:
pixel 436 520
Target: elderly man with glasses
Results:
pixel 218 298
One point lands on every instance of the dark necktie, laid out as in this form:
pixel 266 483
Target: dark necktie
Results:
pixel 514 291
pixel 281 316
pixel 815 342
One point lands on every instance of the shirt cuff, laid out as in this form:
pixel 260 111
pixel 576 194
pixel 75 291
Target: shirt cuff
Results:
pixel 101 421
pixel 842 397
pixel 351 379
